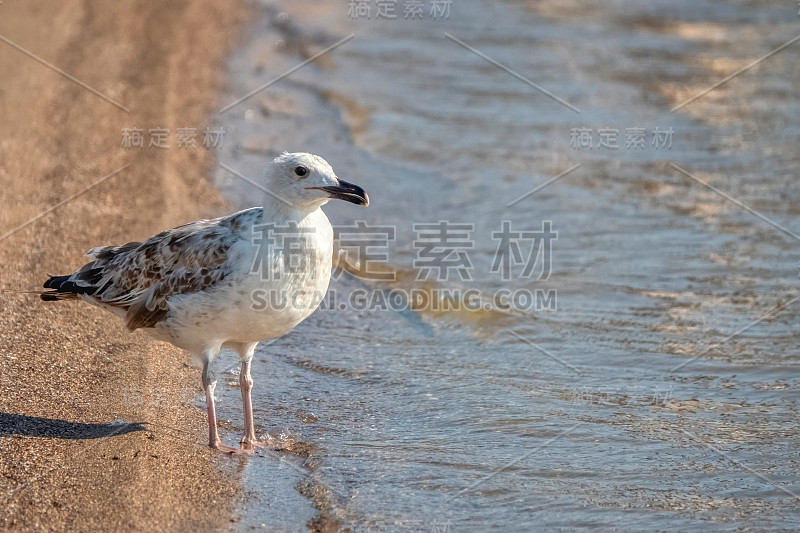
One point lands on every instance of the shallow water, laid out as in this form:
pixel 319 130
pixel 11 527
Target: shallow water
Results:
pixel 577 417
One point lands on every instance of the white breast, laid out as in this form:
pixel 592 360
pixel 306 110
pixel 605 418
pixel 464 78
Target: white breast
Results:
pixel 276 285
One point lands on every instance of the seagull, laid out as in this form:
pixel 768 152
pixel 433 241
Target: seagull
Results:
pixel 229 282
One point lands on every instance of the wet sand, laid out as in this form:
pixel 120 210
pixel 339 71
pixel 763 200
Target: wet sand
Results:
pixel 97 427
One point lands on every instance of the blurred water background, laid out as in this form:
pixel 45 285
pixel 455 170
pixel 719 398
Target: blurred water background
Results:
pixel 660 392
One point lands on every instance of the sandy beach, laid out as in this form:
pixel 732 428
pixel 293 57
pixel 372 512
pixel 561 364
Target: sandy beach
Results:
pixel 598 205
pixel 97 427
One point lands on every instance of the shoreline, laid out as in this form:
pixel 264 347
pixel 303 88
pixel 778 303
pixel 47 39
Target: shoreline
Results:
pixel 97 428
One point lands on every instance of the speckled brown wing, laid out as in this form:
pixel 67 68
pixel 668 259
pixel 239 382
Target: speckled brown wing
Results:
pixel 139 278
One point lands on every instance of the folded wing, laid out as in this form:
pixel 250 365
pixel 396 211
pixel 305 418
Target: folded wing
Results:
pixel 137 279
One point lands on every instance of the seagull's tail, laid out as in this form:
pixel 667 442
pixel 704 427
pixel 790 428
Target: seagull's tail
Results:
pixel 62 288
pixel 90 279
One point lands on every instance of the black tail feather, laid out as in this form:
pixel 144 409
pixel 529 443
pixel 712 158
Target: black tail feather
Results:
pixel 63 289
pixel 51 297
pixel 55 282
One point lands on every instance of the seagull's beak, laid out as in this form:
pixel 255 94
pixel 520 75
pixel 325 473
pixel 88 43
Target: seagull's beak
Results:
pixel 347 192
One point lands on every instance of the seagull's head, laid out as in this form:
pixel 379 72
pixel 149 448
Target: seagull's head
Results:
pixel 306 182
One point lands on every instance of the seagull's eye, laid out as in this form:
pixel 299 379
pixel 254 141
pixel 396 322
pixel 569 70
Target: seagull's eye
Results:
pixel 301 171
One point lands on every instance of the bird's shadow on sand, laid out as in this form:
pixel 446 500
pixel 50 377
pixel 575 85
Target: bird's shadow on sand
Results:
pixel 33 426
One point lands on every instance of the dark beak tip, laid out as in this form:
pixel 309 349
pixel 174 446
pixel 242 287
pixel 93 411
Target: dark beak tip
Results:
pixel 347 192
pixel 350 192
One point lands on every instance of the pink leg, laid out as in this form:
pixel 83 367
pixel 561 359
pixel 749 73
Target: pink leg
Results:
pixel 213 437
pixel 246 384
